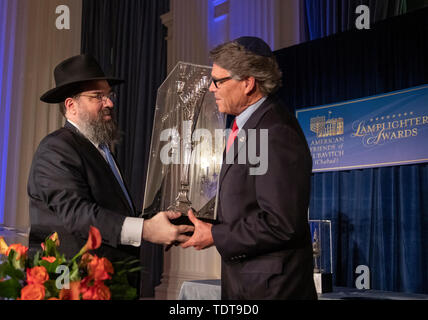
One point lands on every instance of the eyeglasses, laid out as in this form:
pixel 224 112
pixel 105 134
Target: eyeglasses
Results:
pixel 220 81
pixel 101 97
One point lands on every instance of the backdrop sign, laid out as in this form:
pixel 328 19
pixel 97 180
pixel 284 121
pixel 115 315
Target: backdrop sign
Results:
pixel 383 130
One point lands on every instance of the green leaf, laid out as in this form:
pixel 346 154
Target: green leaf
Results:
pixel 10 289
pixel 74 273
pixel 12 256
pixel 61 259
pixel 3 267
pixel 7 269
pixel 123 292
pixel 51 289
pixel 50 248
pixel 36 259
pixel 134 269
pixel 50 267
pixel 120 287
pixel 17 264
pixel 132 262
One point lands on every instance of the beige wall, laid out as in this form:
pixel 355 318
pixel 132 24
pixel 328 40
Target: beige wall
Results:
pixel 39 46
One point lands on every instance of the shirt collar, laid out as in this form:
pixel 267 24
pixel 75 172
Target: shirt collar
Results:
pixel 242 118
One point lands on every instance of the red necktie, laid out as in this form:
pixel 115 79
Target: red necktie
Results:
pixel 232 135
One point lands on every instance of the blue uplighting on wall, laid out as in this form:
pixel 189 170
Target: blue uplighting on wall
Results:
pixel 220 18
pixel 230 19
pixel 7 46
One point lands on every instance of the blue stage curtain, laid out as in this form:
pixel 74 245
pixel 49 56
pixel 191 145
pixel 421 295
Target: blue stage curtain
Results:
pixel 327 17
pixel 379 219
pixel 380 215
pixel 128 39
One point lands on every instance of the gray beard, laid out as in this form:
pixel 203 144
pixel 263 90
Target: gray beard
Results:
pixel 99 130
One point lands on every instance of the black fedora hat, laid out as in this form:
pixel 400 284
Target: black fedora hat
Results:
pixel 71 73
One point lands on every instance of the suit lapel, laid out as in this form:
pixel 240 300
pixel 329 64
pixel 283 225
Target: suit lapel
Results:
pixel 89 149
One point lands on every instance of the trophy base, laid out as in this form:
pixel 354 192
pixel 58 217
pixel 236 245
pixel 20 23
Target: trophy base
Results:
pixel 323 282
pixel 184 219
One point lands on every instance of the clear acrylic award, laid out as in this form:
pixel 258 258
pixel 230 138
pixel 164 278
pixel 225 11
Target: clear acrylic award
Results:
pixel 186 147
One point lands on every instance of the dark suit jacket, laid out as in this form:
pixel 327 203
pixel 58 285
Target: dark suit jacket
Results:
pixel 72 187
pixel 263 234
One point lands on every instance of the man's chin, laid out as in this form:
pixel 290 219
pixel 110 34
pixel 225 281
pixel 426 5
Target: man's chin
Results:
pixel 221 108
pixel 224 111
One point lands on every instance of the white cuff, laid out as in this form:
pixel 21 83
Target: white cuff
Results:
pixel 132 231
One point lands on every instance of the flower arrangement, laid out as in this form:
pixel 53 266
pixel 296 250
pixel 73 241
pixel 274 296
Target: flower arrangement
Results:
pixel 49 276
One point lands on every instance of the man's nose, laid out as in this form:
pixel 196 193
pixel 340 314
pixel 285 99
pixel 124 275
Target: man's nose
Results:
pixel 108 102
pixel 212 87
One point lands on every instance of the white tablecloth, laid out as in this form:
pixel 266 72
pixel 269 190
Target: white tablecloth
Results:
pixel 211 290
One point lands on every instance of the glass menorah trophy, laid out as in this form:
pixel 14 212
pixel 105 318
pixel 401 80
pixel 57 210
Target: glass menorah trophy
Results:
pixel 322 254
pixel 187 145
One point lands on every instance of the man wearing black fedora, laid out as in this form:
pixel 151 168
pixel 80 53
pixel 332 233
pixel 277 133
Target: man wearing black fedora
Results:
pixel 74 181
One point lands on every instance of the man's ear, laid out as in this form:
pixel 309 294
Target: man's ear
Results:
pixel 70 106
pixel 250 85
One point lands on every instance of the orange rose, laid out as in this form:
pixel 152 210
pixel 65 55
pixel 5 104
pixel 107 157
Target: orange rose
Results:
pixel 19 248
pixel 53 298
pixel 101 292
pixel 33 292
pixel 98 291
pixel 37 275
pixel 49 259
pixel 71 294
pixel 85 288
pixel 85 283
pixel 86 258
pixel 100 269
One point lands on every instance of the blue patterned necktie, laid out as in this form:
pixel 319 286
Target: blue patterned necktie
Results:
pixel 116 173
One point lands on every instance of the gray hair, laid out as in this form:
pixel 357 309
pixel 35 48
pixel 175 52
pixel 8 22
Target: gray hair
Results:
pixel 242 63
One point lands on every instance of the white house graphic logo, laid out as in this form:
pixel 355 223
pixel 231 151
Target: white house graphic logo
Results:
pixel 326 128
